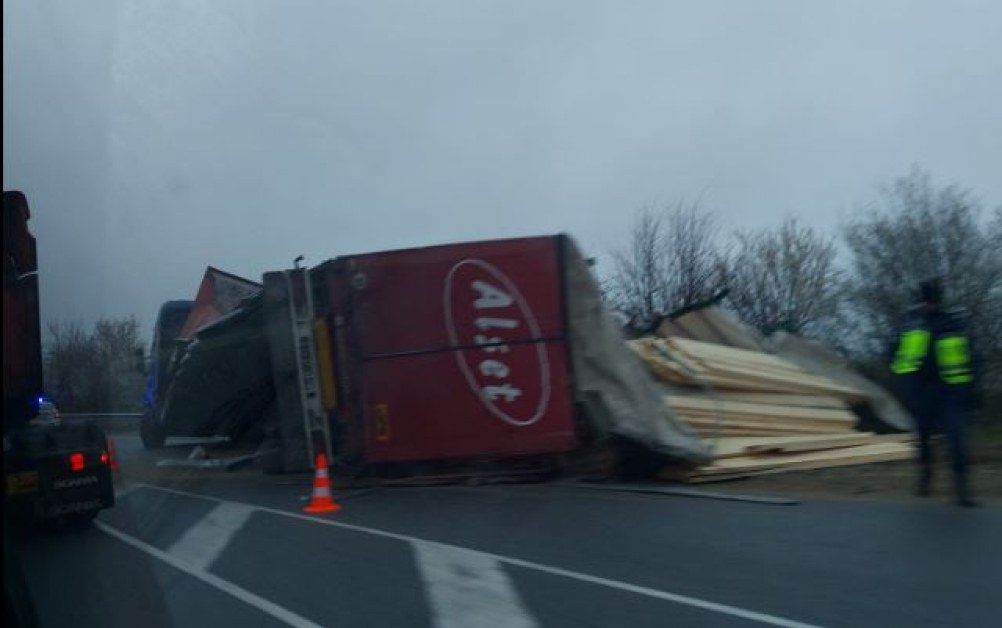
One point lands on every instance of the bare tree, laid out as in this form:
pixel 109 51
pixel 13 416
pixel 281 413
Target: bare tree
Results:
pixel 638 285
pixel 784 279
pixel 93 371
pixel 673 260
pixel 696 261
pixel 992 329
pixel 116 341
pixel 916 231
pixel 73 377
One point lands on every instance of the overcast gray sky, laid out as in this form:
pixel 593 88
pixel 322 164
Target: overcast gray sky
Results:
pixel 154 138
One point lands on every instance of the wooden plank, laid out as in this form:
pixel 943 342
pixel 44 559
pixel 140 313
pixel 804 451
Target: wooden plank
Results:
pixel 668 373
pixel 781 399
pixel 851 456
pixel 735 445
pixel 810 460
pixel 720 382
pixel 751 419
pixel 757 382
pixel 759 410
pixel 708 432
pixel 729 376
pixel 711 360
pixel 707 413
pixel 743 447
pixel 666 352
pixel 740 364
pixel 715 365
pixel 666 364
pixel 796 444
pixel 860 459
pixel 712 433
pixel 707 350
pixel 775 427
pixel 659 367
pixel 738 446
pixel 770 428
pixel 779 419
pixel 806 383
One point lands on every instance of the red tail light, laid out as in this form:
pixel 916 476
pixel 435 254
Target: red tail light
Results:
pixel 77 462
pixel 104 457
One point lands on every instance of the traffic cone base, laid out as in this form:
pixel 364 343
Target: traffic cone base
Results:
pixel 321 500
pixel 322 504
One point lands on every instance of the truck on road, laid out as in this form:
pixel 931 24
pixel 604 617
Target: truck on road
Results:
pixel 54 470
pixel 466 359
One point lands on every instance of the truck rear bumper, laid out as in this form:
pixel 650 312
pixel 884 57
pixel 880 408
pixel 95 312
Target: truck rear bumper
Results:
pixel 42 496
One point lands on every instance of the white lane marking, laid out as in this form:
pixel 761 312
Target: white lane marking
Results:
pixel 468 587
pixel 724 609
pixel 280 613
pixel 206 540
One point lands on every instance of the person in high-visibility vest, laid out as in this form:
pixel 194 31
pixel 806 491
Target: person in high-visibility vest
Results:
pixel 933 364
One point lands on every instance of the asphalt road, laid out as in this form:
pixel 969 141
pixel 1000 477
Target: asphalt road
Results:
pixel 234 549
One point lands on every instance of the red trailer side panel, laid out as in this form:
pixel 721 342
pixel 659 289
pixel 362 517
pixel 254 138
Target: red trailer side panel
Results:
pixel 460 351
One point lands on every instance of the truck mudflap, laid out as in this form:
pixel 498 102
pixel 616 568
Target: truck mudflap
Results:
pixel 48 492
pixel 78 493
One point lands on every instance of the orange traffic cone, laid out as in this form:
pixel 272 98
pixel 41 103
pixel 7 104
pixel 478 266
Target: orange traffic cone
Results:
pixel 321 500
pixel 112 455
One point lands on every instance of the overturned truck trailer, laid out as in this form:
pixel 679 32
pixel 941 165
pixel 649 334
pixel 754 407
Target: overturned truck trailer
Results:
pixel 485 355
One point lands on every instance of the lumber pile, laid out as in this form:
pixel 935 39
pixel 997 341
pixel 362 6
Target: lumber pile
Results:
pixel 743 457
pixel 761 413
pixel 684 361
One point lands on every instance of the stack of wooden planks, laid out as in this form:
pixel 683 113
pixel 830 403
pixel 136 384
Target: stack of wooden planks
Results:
pixel 685 361
pixel 762 414
pixel 720 415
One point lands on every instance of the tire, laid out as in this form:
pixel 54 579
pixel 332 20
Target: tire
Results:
pixel 150 433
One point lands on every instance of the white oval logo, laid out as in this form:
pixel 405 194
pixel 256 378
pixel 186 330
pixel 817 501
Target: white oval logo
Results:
pixel 488 322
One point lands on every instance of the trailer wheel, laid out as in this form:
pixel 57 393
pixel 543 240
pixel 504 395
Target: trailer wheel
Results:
pixel 150 433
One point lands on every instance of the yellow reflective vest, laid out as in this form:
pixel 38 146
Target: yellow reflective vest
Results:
pixel 950 348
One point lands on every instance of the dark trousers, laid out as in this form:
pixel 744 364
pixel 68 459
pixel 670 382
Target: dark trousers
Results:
pixel 939 408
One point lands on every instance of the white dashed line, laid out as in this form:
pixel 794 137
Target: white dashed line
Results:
pixel 723 609
pixel 206 540
pixel 278 612
pixel 462 583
